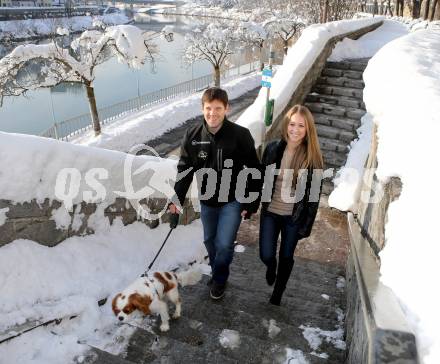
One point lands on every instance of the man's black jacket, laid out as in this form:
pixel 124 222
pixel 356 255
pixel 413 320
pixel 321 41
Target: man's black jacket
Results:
pixel 304 211
pixel 200 149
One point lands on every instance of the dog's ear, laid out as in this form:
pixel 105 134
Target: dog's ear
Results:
pixel 142 303
pixel 114 308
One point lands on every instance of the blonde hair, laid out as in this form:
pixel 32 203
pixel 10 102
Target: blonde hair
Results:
pixel 308 154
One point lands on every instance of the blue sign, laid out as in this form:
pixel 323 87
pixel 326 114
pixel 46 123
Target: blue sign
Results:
pixel 266 79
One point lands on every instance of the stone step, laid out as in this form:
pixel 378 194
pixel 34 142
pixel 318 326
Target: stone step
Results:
pixel 333 145
pixel 340 81
pixel 332 132
pixel 98 356
pixel 327 187
pixel 334 158
pixel 295 309
pixel 348 65
pixel 207 340
pixel 338 122
pixel 222 315
pixel 335 110
pixel 153 346
pixel 303 266
pixel 334 72
pixel 336 100
pixel 339 91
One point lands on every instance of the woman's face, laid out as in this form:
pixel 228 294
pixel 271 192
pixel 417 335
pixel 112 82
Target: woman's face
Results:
pixel 296 129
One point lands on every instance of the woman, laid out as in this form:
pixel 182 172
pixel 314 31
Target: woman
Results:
pixel 294 203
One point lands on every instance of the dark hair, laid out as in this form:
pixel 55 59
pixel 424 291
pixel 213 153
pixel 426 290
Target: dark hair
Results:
pixel 215 93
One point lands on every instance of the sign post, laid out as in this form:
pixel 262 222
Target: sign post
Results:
pixel 266 81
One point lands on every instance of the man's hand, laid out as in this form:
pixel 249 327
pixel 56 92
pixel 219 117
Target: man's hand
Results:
pixel 173 209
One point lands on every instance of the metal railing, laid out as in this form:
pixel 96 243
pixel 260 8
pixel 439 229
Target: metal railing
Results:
pixel 68 128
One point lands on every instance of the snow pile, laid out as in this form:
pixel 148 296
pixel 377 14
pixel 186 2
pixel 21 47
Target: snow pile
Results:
pixel 238 248
pixel 315 336
pixel 295 357
pixel 150 123
pixel 367 45
pixel 348 179
pixel 272 328
pixel 56 170
pixel 30 28
pixel 229 339
pixel 408 148
pixel 3 215
pixel 297 63
pixel 340 283
pixel 44 283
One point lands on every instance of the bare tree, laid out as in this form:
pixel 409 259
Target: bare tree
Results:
pixel 213 44
pixel 253 34
pixel 283 28
pixel 29 67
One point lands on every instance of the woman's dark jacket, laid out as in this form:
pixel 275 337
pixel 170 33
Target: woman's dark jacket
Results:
pixel 304 211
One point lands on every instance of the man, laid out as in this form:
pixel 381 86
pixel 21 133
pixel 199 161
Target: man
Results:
pixel 217 150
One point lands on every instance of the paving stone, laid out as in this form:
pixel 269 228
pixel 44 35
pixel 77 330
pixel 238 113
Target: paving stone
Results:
pixel 333 145
pixel 341 81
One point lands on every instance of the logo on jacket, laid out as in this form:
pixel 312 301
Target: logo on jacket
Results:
pixel 195 142
pixel 202 155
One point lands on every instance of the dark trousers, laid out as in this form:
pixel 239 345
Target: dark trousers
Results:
pixel 220 226
pixel 271 225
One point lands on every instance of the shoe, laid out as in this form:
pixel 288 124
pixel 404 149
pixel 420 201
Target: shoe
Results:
pixel 271 275
pixel 217 290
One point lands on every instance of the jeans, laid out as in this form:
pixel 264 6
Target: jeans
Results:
pixel 220 226
pixel 270 227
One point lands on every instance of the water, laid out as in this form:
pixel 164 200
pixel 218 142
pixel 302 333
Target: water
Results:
pixel 114 82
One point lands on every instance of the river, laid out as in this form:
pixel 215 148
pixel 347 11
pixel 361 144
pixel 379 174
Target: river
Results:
pixel 114 83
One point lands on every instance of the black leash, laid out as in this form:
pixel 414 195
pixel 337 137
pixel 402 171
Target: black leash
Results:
pixel 174 220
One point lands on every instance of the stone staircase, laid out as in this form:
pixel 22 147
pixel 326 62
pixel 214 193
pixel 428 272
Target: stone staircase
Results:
pixel 337 106
pixel 194 338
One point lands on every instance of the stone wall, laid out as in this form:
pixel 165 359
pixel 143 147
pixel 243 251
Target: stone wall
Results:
pixel 372 214
pixel 33 220
pixel 310 79
pixel 376 327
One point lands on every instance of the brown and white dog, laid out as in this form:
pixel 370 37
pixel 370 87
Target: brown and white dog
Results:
pixel 147 294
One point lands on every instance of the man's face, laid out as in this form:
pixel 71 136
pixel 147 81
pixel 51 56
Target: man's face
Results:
pixel 214 113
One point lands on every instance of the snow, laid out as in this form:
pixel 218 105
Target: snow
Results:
pixel 386 90
pixel 29 28
pixel 150 123
pixel 272 328
pixel 402 152
pixel 295 357
pixel 348 179
pixel 229 339
pixel 66 172
pixel 340 283
pixel 367 45
pixel 325 296
pixel 238 248
pixel 299 59
pixel 71 277
pixel 315 337
pixel 3 215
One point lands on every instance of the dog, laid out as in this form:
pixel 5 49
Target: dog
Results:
pixel 147 294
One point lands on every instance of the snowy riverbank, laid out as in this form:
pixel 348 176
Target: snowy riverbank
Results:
pixel 18 30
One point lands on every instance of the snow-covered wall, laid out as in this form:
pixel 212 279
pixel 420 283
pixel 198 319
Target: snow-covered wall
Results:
pixel 298 64
pixel 404 98
pixel 54 189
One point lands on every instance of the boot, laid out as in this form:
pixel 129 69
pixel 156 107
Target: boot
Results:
pixel 271 273
pixel 285 267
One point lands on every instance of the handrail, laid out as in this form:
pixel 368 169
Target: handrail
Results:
pixel 65 129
